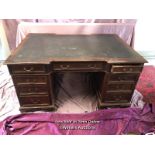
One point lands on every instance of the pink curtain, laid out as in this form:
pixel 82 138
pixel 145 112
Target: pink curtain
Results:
pixel 10 26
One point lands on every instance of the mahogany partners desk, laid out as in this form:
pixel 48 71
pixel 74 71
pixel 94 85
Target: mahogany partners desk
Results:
pixel 39 56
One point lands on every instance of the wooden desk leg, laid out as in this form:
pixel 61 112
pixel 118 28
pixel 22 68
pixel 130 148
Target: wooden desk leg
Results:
pixel 51 89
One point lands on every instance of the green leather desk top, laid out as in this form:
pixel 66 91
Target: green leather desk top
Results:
pixel 46 48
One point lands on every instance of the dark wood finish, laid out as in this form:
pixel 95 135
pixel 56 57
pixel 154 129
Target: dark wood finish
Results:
pixel 120 85
pixel 32 89
pixel 75 66
pixel 126 68
pixel 28 79
pixel 123 77
pixel 28 69
pixel 35 100
pixel 39 56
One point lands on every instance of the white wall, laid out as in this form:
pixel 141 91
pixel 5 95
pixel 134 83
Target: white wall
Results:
pixel 145 35
pixel 145 39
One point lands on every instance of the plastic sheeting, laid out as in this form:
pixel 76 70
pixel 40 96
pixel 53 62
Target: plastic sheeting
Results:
pixel 9 104
pixel 123 30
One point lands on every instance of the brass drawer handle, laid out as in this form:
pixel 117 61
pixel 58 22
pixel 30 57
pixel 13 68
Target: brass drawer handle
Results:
pixel 118 98
pixel 127 69
pixel 92 66
pixel 124 69
pixel 28 69
pixel 32 89
pixel 120 78
pixel 30 80
pixel 64 66
pixel 29 90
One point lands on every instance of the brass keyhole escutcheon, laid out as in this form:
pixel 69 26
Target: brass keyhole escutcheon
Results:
pixel 64 66
pixel 28 69
pixel 92 66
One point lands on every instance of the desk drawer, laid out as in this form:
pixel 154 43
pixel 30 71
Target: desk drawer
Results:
pixel 121 86
pixel 124 77
pixel 126 69
pixel 117 97
pixel 28 79
pixel 30 89
pixel 35 100
pixel 27 69
pixel 78 66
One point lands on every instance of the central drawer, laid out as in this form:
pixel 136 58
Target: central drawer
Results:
pixel 77 66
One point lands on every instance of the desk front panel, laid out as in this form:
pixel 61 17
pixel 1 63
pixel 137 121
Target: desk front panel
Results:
pixel 34 82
